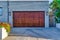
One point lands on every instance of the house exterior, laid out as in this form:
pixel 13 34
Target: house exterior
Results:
pixel 25 14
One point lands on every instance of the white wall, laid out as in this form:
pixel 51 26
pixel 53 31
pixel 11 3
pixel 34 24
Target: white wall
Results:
pixel 29 6
pixel 46 19
pixel 4 16
pixel 58 25
pixel 3 33
pixel 24 6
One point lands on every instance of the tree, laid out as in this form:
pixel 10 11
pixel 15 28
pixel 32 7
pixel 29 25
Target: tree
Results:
pixel 55 6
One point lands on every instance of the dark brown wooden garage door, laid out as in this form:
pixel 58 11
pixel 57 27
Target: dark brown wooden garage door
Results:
pixel 28 18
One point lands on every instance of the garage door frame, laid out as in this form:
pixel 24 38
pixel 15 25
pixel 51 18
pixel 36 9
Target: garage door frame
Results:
pixel 33 11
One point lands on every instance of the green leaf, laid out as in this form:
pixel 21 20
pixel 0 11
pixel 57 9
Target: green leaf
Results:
pixel 0 26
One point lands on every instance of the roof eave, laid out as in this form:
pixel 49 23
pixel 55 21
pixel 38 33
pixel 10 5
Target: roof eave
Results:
pixel 24 0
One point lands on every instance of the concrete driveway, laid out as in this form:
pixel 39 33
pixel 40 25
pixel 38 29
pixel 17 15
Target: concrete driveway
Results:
pixel 36 34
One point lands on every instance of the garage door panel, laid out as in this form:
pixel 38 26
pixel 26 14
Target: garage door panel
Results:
pixel 28 19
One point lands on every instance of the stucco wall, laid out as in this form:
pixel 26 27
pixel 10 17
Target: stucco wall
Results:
pixel 24 6
pixel 3 17
pixel 27 6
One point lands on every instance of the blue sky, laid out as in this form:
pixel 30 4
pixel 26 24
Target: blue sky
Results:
pixel 50 1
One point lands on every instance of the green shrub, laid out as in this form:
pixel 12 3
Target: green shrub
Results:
pixel 57 15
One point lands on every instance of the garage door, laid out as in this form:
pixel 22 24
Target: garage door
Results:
pixel 28 18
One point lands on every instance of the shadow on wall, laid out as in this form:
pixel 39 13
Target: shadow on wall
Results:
pixel 52 21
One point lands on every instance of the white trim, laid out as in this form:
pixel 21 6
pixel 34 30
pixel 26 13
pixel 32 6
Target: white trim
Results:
pixel 46 20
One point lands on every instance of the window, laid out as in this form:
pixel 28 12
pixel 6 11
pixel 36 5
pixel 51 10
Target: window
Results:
pixel 0 11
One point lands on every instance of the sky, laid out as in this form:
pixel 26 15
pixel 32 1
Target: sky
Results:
pixel 50 1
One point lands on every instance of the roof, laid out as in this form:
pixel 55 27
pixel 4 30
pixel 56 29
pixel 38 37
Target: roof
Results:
pixel 24 0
